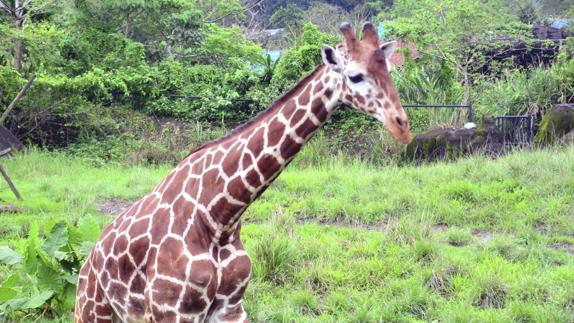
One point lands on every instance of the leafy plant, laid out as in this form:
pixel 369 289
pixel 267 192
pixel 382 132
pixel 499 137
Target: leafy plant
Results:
pixel 50 265
pixel 528 92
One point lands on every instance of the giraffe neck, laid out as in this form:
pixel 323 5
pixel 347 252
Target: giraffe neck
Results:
pixel 233 171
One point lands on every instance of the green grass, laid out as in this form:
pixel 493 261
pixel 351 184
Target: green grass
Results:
pixel 477 239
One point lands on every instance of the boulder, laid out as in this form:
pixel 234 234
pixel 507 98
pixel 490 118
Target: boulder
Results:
pixel 454 142
pixel 8 140
pixel 556 123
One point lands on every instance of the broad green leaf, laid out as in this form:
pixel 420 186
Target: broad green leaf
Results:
pixel 86 248
pixel 47 261
pixel 38 300
pixel 50 279
pixel 69 296
pixel 89 229
pixel 13 304
pixel 60 255
pixel 72 279
pixel 11 281
pixel 9 256
pixel 7 294
pixel 57 239
pixel 31 252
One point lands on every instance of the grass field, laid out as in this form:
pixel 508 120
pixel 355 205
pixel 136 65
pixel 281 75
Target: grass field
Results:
pixel 474 240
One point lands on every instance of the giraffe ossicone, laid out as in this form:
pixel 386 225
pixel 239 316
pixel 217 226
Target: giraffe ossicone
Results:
pixel 176 255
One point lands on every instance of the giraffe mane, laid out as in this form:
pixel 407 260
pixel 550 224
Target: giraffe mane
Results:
pixel 277 103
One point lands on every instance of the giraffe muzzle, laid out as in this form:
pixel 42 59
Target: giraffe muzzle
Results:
pixel 399 128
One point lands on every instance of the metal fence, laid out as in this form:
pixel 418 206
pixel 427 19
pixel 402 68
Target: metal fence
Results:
pixel 516 130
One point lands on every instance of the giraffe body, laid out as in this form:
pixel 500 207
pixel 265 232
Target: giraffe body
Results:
pixel 176 254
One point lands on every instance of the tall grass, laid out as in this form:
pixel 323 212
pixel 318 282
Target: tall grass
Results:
pixel 528 92
pixel 343 240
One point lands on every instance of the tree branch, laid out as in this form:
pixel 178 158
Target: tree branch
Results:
pixel 6 8
pixel 232 12
pixel 18 97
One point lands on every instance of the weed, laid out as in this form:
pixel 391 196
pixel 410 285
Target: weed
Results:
pixel 491 293
pixel 275 259
pixel 425 251
pixel 441 281
pixel 458 237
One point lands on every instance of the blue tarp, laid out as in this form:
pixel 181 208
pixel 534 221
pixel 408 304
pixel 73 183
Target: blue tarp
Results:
pixel 560 23
pixel 382 31
pixel 275 54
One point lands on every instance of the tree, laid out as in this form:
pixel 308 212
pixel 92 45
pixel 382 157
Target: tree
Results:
pixel 16 12
pixel 328 17
pixel 290 17
pixel 453 31
pixel 169 28
pixel 19 13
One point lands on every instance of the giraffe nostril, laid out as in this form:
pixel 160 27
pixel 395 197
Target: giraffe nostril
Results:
pixel 399 121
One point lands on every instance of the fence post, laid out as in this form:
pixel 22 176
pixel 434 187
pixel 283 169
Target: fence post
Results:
pixel 470 113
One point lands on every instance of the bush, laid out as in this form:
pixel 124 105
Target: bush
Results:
pixel 528 92
pixel 47 270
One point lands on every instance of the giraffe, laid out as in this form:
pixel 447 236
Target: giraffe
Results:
pixel 176 255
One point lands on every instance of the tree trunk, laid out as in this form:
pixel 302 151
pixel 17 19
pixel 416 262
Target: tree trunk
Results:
pixel 19 46
pixel 18 97
pixel 466 96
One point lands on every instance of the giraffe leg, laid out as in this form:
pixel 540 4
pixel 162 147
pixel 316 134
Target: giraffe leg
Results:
pixel 91 304
pixel 235 273
pixel 232 314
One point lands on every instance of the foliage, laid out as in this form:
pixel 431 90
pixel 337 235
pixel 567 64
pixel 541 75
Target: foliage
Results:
pixel 93 57
pixel 289 16
pixel 191 61
pixel 528 92
pixel 456 32
pixel 428 84
pixel 298 61
pixel 50 265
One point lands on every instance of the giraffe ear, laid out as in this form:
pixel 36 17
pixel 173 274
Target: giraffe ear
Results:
pixel 389 48
pixel 331 58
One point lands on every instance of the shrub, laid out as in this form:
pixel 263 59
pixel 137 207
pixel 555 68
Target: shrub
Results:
pixel 528 92
pixel 51 267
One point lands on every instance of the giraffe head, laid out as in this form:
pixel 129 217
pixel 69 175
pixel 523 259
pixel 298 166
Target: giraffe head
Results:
pixel 365 81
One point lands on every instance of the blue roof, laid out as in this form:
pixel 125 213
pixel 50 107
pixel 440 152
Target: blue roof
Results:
pixel 381 31
pixel 560 23
pixel 275 54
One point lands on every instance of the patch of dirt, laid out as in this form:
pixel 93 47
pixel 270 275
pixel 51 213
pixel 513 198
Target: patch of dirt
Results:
pixel 439 228
pixel 541 227
pixel 384 225
pixel 483 234
pixel 10 209
pixel 112 207
pixel 563 246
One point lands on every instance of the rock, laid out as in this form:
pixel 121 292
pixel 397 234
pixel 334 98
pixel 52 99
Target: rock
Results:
pixel 455 142
pixel 8 140
pixel 556 123
pixel 568 138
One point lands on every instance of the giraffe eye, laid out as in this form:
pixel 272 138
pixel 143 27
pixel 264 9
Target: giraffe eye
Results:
pixel 356 78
